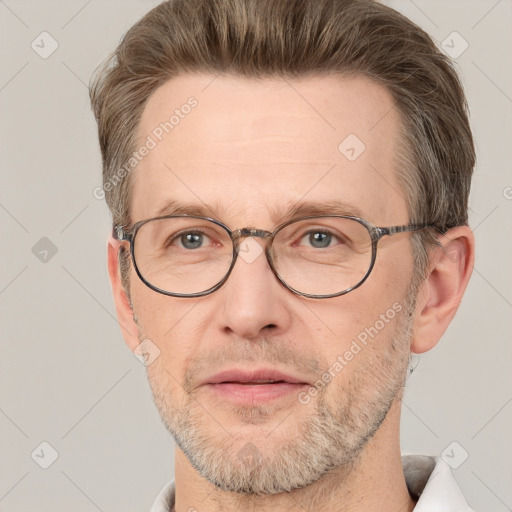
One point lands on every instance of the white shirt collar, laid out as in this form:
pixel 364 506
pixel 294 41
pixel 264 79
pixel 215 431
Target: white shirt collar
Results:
pixel 429 478
pixel 441 492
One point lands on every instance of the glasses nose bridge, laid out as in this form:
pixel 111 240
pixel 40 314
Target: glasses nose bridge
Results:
pixel 241 233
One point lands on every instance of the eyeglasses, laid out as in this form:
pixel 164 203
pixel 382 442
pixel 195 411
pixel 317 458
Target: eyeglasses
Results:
pixel 316 257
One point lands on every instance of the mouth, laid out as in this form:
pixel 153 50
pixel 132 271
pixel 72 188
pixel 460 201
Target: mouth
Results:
pixel 252 382
pixel 255 386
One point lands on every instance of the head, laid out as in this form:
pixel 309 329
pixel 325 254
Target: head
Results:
pixel 260 123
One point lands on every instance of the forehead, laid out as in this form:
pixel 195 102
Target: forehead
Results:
pixel 246 148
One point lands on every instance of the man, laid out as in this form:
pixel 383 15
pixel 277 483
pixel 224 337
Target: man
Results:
pixel 288 183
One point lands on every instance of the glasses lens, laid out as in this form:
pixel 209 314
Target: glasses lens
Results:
pixel 182 255
pixel 322 255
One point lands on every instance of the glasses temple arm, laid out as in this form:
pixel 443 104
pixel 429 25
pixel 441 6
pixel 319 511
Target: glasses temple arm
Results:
pixel 119 233
pixel 392 230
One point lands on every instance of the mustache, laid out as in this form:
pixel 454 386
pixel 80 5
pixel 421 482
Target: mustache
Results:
pixel 264 351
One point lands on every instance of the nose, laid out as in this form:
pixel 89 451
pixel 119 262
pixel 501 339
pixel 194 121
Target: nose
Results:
pixel 254 302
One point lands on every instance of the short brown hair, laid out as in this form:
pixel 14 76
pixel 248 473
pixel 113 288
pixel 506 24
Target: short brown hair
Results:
pixel 292 38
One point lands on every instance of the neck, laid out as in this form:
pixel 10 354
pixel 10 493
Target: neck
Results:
pixel 374 482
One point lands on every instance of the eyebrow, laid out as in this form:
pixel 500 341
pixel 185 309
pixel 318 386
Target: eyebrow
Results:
pixel 311 208
pixel 278 214
pixel 175 207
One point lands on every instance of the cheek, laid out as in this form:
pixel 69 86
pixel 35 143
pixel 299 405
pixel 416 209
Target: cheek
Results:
pixel 388 284
pixel 394 265
pixel 345 318
pixel 367 361
pixel 370 321
pixel 360 325
pixel 169 323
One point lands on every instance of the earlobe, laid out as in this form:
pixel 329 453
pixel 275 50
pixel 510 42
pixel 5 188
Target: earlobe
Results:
pixel 441 292
pixel 124 310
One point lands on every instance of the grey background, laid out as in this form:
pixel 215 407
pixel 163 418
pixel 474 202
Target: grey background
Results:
pixel 66 376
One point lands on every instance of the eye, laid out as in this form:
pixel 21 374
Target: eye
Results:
pixel 319 239
pixel 190 239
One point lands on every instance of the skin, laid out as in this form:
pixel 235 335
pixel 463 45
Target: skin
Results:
pixel 246 151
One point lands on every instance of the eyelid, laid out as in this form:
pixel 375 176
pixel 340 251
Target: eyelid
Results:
pixel 298 235
pixel 212 239
pixel 193 231
pixel 308 225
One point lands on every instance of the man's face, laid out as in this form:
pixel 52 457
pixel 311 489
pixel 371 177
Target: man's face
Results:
pixel 246 153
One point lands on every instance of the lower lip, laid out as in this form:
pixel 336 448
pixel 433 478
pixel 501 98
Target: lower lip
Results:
pixel 251 393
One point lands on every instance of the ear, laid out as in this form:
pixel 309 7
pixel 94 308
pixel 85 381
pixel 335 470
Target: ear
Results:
pixel 440 294
pixel 128 326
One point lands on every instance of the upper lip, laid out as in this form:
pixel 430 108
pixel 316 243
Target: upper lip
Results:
pixel 256 376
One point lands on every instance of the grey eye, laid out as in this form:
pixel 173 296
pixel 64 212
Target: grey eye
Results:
pixel 320 239
pixel 191 240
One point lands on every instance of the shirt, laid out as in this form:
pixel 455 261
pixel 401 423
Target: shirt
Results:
pixel 429 481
